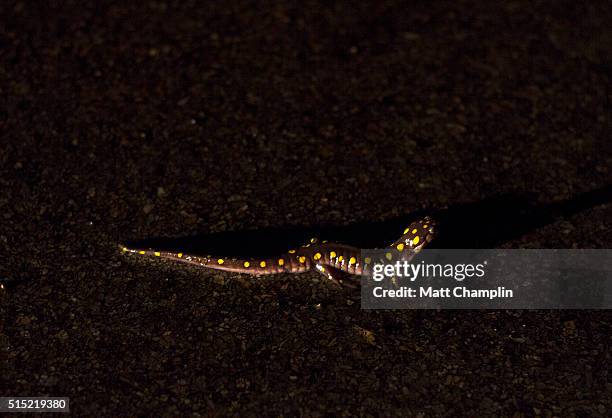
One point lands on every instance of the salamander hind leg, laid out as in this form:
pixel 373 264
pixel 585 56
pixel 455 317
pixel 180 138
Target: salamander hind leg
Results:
pixel 338 277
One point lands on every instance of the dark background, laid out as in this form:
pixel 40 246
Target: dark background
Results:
pixel 123 122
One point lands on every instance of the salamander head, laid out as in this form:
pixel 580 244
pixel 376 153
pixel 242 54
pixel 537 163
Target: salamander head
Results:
pixel 419 233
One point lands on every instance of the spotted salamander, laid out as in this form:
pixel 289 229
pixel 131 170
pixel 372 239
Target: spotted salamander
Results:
pixel 330 259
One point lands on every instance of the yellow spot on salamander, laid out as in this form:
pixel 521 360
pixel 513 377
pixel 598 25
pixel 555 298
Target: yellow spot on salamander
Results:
pixel 317 256
pixel 332 254
pixel 341 259
pixel 389 256
pixel 281 262
pixel 141 252
pixel 247 264
pixel 400 246
pixel 425 226
pixel 368 260
pixel 302 259
pixel 324 241
pixel 415 240
pixel 313 240
pixel 157 254
pixel 124 249
pixel 262 264
pixel 220 261
pixel 406 230
pixel 291 251
pixel 179 255
pixel 414 231
pixel 352 260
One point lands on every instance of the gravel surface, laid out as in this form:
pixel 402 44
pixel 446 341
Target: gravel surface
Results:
pixel 122 122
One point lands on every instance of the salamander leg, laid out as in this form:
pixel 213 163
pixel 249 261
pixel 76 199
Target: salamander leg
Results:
pixel 336 276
